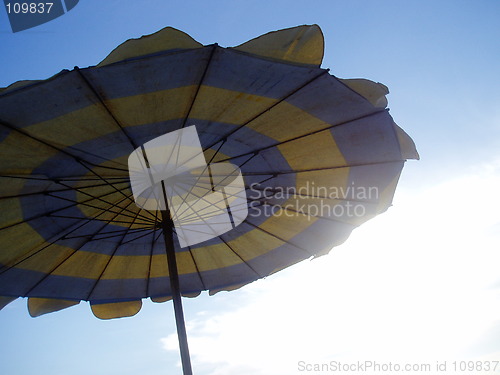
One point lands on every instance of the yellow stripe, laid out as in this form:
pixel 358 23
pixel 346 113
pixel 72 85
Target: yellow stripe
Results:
pixel 21 154
pixel 287 224
pixel 408 148
pixel 90 265
pixel 212 104
pixel 252 244
pixel 80 125
pixel 41 306
pixel 163 40
pixel 214 257
pixel 127 267
pixel 4 301
pixel 295 121
pixel 11 186
pixel 302 44
pixel 320 182
pixel 11 212
pixel 18 242
pixel 374 92
pixel 45 261
pixel 152 107
pixel 386 196
pixel 315 151
pixel 77 126
pixel 116 310
pixel 122 213
pixel 231 107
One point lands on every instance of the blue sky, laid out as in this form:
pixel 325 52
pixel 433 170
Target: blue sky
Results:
pixel 420 282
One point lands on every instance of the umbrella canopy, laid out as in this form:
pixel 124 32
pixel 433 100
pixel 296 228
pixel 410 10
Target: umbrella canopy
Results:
pixel 318 156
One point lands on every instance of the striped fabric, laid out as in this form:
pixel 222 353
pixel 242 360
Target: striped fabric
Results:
pixel 309 145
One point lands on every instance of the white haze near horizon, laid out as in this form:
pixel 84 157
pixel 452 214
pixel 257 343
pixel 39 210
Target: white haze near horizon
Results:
pixel 417 285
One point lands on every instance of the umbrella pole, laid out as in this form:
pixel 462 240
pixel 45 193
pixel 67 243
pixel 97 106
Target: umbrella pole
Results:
pixel 167 226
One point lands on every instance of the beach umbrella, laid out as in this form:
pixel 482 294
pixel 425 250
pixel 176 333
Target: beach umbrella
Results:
pixel 172 168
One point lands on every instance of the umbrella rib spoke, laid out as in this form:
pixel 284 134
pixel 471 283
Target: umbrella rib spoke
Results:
pixel 139 237
pixel 77 159
pixel 304 135
pixel 118 233
pixel 278 237
pixel 106 167
pixel 189 247
pixel 198 178
pixel 129 197
pixel 108 221
pixel 202 197
pixel 103 104
pixel 222 142
pixel 261 182
pixel 57 191
pixel 50 213
pixel 207 166
pixel 204 169
pixel 69 179
pixel 78 248
pixel 101 200
pixel 61 150
pixel 153 242
pixel 197 212
pixel 252 155
pixel 320 169
pixel 202 79
pixel 194 214
pixel 69 228
pixel 100 208
pixel 145 218
pixel 318 217
pixel 241 258
pixel 96 218
pixel 178 147
pixel 109 261
pixel 269 108
pixel 100 157
pixel 160 233
pixel 197 269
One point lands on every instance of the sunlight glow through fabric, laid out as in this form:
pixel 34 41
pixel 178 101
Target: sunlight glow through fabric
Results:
pixel 204 200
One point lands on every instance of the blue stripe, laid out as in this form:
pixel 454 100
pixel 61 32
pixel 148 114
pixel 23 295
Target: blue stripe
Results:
pixel 377 176
pixel 323 234
pixel 239 72
pixel 63 287
pixel 55 97
pixel 269 161
pixel 146 75
pixel 17 282
pixel 113 290
pixel 368 140
pixel 331 101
